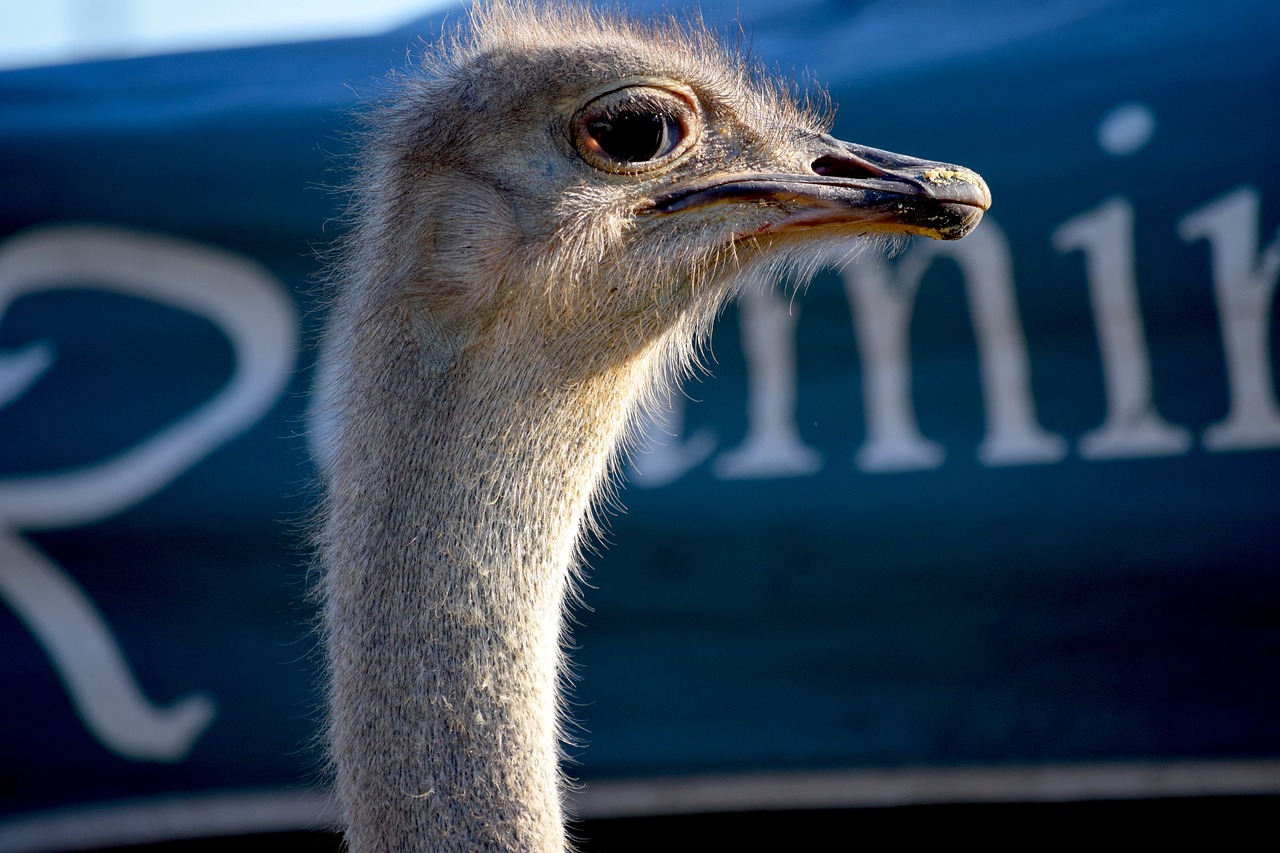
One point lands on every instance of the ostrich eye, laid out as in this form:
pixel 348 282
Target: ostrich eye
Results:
pixel 635 129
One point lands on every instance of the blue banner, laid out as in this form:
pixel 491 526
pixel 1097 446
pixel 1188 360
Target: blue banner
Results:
pixel 983 507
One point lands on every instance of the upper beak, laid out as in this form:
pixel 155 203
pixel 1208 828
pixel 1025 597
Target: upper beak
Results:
pixel 847 184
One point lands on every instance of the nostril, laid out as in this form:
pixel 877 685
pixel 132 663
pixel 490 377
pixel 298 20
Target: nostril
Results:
pixel 842 167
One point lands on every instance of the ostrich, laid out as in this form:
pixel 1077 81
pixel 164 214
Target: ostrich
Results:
pixel 548 216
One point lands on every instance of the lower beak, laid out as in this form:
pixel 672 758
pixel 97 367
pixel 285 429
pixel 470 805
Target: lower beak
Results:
pixel 864 189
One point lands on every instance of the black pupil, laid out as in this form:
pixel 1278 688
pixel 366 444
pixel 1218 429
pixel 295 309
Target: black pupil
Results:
pixel 632 137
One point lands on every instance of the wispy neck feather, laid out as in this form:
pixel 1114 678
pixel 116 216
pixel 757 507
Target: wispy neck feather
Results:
pixel 456 503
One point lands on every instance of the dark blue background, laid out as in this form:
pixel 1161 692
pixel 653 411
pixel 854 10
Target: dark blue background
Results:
pixel 967 615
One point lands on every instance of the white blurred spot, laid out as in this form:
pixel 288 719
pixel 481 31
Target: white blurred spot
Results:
pixel 56 31
pixel 1126 129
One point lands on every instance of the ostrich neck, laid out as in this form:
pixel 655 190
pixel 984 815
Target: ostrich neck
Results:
pixel 456 503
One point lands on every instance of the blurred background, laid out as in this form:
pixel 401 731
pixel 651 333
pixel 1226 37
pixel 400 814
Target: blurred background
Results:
pixel 985 529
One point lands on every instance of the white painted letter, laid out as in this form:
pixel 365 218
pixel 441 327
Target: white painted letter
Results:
pixel 882 306
pixel 772 447
pixel 254 311
pixel 1244 287
pixel 1132 426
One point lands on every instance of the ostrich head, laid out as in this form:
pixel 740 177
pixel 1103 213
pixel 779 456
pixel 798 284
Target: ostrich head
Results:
pixel 606 183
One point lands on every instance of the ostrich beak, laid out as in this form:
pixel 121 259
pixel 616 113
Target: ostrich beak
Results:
pixel 846 184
